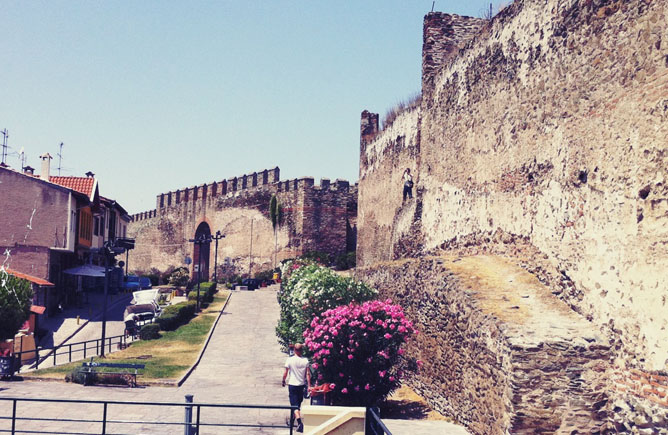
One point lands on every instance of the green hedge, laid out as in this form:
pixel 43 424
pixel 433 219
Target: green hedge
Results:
pixel 150 331
pixel 176 315
pixel 206 292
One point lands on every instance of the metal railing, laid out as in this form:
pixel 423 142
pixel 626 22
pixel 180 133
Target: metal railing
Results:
pixel 66 350
pixel 197 417
pixel 374 425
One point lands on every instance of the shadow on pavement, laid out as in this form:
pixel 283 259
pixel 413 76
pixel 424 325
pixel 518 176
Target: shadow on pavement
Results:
pixel 404 410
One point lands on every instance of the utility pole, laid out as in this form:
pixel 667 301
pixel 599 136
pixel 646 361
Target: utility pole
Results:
pixel 60 160
pixel 217 237
pixel 250 251
pixel 5 135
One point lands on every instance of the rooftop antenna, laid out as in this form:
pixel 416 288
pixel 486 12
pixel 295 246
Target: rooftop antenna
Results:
pixel 5 135
pixel 60 158
pixel 432 5
pixel 22 156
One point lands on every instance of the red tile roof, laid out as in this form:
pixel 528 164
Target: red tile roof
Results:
pixel 83 185
pixel 32 279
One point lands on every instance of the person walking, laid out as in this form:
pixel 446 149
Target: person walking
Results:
pixel 298 374
pixel 408 184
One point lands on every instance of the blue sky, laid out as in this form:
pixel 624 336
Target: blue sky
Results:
pixel 153 96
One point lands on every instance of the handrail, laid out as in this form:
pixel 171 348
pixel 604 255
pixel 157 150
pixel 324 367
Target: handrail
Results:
pixel 374 425
pixel 190 426
pixel 87 350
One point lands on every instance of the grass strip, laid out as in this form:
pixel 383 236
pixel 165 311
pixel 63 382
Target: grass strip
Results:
pixel 166 358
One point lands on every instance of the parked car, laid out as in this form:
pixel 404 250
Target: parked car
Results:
pixel 145 282
pixel 134 282
pixel 131 282
pixel 251 283
pixel 144 312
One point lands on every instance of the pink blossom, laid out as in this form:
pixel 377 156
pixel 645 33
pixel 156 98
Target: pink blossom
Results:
pixel 391 378
pixel 350 356
pixel 341 375
pixel 401 351
pixel 315 366
pixel 367 387
pixel 382 373
pixel 387 335
pixel 332 386
pixel 344 390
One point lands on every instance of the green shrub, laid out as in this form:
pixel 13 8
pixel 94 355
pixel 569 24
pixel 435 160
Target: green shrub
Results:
pixel 265 275
pixel 176 315
pixel 309 291
pixel 179 277
pixel 346 261
pixel 206 292
pixel 150 331
pixel 79 377
pixel 319 257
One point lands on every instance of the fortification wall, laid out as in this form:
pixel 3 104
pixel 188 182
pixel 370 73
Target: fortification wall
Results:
pixel 381 213
pixel 543 140
pixel 315 217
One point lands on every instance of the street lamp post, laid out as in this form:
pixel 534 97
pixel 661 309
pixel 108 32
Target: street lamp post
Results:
pixel 111 249
pixel 104 300
pixel 217 237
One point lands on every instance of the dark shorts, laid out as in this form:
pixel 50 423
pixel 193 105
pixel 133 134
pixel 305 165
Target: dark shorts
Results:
pixel 296 393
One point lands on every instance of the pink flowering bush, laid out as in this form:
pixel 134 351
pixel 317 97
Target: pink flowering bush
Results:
pixel 356 347
pixel 309 291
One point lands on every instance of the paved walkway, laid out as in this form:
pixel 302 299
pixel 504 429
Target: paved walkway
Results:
pixel 242 365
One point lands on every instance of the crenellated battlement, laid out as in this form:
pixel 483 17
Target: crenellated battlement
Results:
pixel 137 217
pixel 306 183
pixel 268 179
pixel 230 186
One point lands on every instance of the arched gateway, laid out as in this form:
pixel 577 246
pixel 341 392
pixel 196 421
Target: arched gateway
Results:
pixel 204 249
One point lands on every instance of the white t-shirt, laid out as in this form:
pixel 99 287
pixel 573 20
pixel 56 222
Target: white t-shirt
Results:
pixel 297 367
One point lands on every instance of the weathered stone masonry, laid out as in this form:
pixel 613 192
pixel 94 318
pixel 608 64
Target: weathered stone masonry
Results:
pixel 322 218
pixel 542 139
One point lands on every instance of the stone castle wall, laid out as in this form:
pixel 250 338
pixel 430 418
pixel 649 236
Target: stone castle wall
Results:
pixel 314 218
pixel 545 132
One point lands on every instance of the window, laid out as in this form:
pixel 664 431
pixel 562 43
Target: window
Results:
pixel 96 230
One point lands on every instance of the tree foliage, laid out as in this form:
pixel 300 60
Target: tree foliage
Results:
pixel 275 212
pixel 15 301
pixel 180 277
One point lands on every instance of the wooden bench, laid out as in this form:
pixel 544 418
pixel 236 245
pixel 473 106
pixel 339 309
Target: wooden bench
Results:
pixel 100 369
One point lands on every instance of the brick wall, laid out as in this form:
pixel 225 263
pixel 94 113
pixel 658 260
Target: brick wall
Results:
pixel 34 217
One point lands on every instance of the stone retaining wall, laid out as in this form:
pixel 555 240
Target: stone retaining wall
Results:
pixel 501 353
